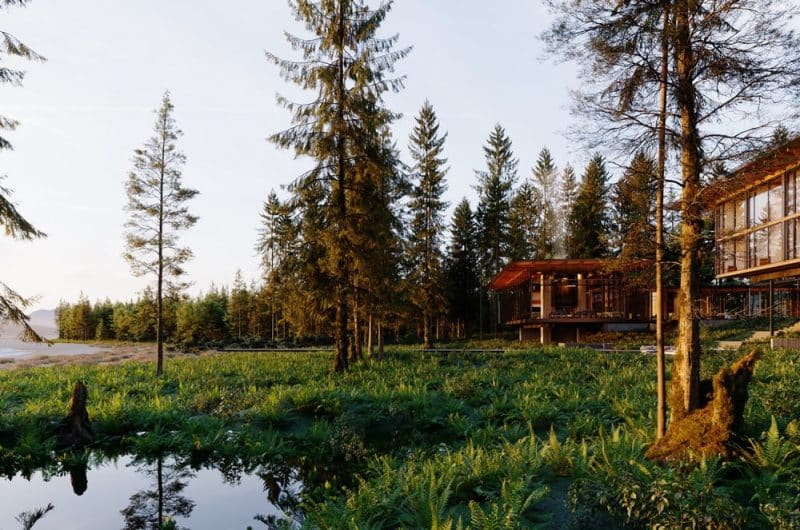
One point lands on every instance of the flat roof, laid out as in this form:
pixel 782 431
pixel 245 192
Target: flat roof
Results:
pixel 770 163
pixel 517 272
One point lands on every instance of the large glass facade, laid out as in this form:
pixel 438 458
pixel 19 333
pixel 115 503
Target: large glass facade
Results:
pixel 759 227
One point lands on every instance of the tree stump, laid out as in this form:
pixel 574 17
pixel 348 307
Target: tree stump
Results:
pixel 75 429
pixel 711 429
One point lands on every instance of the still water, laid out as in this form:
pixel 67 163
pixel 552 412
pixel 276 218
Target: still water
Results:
pixel 134 494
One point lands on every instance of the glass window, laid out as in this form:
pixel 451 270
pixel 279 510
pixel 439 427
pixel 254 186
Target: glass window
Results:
pixel 728 217
pixel 776 243
pixel 776 199
pixel 740 250
pixel 791 191
pixel 759 206
pixel 791 253
pixel 728 256
pixel 795 231
pixel 759 248
pixel 741 213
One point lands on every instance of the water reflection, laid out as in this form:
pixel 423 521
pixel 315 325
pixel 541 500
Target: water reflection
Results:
pixel 28 519
pixel 141 494
pixel 78 477
pixel 163 501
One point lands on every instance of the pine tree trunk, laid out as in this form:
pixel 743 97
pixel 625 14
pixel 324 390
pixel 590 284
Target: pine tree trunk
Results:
pixel 356 353
pixel 342 268
pixel 426 330
pixel 160 279
pixel 661 390
pixel 685 385
pixel 380 341
pixel 370 333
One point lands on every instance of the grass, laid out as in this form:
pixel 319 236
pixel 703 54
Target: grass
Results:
pixel 427 441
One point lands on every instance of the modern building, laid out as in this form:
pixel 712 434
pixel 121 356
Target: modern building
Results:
pixel 757 228
pixel 756 217
pixel 558 300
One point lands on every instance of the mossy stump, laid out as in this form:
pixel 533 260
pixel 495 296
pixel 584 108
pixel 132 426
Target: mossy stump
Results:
pixel 76 430
pixel 711 429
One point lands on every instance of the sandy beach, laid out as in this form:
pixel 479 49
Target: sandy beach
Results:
pixel 27 355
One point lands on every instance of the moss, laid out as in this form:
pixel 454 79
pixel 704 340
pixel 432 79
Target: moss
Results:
pixel 711 429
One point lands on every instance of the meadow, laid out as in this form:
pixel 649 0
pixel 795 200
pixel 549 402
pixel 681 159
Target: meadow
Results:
pixel 545 437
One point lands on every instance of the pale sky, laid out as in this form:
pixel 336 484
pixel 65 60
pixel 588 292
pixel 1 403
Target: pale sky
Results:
pixel 86 109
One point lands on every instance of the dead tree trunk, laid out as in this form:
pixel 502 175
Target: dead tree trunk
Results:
pixel 710 430
pixel 75 429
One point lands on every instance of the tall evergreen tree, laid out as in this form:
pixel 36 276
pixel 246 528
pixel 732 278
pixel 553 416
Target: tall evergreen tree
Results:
pixel 341 130
pixel 426 207
pixel 589 216
pixel 634 209
pixel 545 177
pixel 523 222
pixel 276 238
pixel 566 200
pixel 376 246
pixel 157 212
pixel 462 269
pixel 12 304
pixel 494 201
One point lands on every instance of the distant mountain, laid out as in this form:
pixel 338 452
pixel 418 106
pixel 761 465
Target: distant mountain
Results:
pixel 43 321
pixel 43 317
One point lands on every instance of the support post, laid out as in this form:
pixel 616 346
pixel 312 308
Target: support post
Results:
pixel 771 303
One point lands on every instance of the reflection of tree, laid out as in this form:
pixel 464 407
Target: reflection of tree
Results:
pixel 77 476
pixel 283 487
pixel 150 509
pixel 28 519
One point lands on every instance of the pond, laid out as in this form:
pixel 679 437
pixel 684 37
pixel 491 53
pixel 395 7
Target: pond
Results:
pixel 134 494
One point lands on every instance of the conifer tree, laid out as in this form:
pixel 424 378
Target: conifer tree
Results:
pixel 462 269
pixel 523 221
pixel 12 304
pixel 276 239
pixel 343 131
pixel 589 216
pixel 545 178
pixel 376 246
pixel 494 201
pixel 779 136
pixel 566 200
pixel 426 208
pixel 157 212
pixel 634 209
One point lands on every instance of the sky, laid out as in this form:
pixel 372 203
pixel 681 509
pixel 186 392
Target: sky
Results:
pixel 85 110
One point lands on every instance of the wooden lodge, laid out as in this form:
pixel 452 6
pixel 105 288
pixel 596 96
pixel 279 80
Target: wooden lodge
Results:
pixel 557 300
pixel 757 265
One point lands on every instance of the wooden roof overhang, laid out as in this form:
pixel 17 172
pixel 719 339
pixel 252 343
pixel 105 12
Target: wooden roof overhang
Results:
pixel 770 164
pixel 518 272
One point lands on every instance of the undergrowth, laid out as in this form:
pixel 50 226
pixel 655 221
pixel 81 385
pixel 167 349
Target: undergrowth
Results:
pixel 432 441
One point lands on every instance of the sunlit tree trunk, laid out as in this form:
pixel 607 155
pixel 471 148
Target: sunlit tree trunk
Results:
pixel 661 407
pixel 685 386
